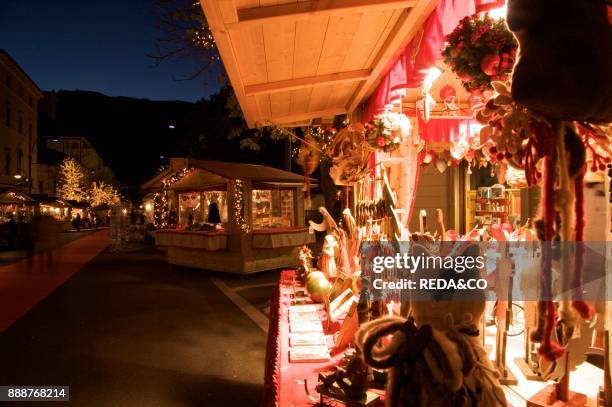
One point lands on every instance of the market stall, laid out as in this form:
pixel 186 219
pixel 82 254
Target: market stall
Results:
pixel 237 218
pixel 16 205
pixel 459 142
pixel 57 208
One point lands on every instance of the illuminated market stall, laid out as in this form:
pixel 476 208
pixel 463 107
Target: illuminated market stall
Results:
pixel 16 205
pixel 57 208
pixel 232 217
pixel 452 144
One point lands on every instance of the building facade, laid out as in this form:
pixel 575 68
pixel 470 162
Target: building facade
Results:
pixel 84 153
pixel 19 97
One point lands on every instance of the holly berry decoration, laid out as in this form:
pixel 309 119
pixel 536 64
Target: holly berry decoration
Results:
pixel 490 64
pixel 480 50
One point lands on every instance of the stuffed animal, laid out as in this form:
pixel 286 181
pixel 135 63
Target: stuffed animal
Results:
pixel 564 69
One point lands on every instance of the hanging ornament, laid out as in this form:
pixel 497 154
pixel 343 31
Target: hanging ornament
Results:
pixel 426 105
pixel 308 158
pixel 490 64
pixel 447 91
pixel 476 100
pixel 428 157
pixel 448 95
pixel 473 51
pixel 515 178
pixel 441 164
pixel 350 154
pixel 459 149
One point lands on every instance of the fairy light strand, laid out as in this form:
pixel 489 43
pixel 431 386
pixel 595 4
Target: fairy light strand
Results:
pixel 161 207
pixel 238 205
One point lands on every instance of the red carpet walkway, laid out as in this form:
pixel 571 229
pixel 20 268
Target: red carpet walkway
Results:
pixel 25 283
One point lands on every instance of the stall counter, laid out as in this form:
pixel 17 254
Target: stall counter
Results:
pixel 210 241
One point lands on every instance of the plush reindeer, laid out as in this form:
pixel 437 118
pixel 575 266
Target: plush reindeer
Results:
pixel 564 69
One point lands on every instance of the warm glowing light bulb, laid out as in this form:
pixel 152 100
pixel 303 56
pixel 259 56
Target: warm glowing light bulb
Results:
pixel 498 13
pixel 433 73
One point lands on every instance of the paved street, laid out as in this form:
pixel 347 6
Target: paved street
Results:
pixel 127 329
pixel 10 256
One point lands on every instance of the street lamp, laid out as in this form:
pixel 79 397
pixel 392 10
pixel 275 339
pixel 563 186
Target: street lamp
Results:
pixel 32 144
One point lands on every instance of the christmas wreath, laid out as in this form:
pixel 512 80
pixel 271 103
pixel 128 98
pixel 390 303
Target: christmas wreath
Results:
pixel 384 134
pixel 480 50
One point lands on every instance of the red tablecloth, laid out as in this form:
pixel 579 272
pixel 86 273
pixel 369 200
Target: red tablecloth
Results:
pixel 284 381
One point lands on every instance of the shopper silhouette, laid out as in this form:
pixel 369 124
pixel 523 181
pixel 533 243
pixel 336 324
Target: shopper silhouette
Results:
pixel 213 213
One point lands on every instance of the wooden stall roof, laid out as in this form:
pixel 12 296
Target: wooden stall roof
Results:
pixel 251 172
pixel 292 62
pixel 15 198
pixel 218 172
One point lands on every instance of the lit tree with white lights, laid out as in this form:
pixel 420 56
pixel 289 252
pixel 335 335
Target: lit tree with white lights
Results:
pixel 102 193
pixel 71 181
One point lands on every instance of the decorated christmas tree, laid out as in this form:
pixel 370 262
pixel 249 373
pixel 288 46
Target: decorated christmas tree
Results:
pixel 71 182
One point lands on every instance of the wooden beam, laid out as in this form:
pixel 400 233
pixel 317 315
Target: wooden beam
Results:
pixel 300 83
pixel 227 53
pixel 298 117
pixel 308 9
pixel 408 25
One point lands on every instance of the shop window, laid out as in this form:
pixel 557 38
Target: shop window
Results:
pixel 272 208
pixel 190 208
pixel 205 207
pixel 214 206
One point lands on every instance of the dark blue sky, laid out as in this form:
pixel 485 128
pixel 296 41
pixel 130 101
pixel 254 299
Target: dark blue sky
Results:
pixel 95 45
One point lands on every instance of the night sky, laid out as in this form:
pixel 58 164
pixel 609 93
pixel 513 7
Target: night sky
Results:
pixel 95 45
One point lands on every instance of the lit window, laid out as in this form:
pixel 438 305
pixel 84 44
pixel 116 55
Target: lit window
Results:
pixel 272 208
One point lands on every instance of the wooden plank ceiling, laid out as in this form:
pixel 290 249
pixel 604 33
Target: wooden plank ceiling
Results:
pixel 294 62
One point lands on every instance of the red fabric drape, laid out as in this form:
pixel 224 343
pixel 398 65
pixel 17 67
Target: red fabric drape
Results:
pixel 444 129
pixel 409 70
pixel 486 5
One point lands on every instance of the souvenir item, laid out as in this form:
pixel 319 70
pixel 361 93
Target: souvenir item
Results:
pixel 349 154
pixel 431 367
pixel 317 286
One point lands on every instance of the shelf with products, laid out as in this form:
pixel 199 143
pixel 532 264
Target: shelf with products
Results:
pixel 495 204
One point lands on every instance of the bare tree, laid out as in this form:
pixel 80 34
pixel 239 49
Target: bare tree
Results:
pixel 184 33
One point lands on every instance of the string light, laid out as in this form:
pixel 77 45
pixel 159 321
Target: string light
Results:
pixel 161 209
pixel 323 137
pixel 239 206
